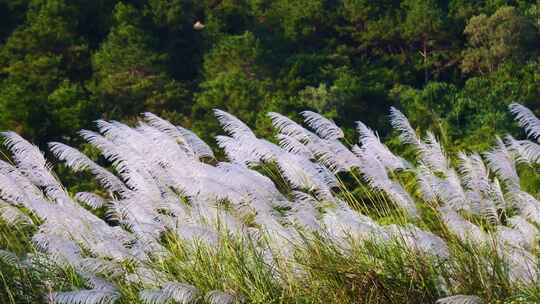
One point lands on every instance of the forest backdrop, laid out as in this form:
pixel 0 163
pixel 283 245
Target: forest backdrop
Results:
pixel 451 66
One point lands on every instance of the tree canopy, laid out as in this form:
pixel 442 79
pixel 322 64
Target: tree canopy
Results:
pixel 453 65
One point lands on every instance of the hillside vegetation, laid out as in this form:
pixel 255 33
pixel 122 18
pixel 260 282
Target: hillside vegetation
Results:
pixel 451 66
pixel 269 151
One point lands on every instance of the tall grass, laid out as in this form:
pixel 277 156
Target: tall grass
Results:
pixel 306 219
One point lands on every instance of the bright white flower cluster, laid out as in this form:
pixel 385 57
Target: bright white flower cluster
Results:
pixel 165 178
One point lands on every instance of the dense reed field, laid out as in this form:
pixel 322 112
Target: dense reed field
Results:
pixel 303 218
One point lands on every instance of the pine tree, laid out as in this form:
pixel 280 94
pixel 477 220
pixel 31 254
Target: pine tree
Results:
pixel 130 77
pixel 41 58
pixel 424 22
pixel 506 35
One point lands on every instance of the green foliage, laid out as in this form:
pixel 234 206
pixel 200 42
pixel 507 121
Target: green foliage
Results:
pixel 299 20
pixel 129 76
pixel 469 117
pixel 505 35
pixel 233 82
pixel 372 25
pixel 38 61
pixel 452 65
